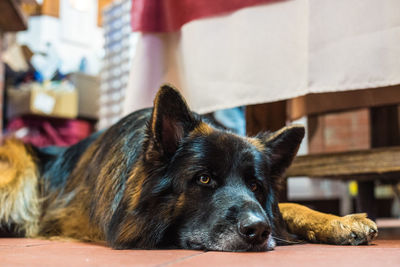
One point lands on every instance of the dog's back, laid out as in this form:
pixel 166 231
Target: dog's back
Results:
pixel 53 190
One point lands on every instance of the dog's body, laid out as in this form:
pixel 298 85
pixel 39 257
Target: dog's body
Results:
pixel 163 178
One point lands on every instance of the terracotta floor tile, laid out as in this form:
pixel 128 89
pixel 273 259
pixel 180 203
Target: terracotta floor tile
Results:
pixel 381 254
pixel 388 223
pixel 32 253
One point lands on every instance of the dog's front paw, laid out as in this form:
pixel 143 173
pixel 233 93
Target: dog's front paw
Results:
pixel 353 229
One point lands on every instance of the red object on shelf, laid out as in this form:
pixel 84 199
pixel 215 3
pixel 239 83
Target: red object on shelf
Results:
pixel 171 15
pixel 42 132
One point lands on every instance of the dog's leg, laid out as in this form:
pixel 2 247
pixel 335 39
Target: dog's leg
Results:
pixel 314 226
pixel 19 196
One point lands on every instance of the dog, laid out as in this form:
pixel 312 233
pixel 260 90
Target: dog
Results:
pixel 165 178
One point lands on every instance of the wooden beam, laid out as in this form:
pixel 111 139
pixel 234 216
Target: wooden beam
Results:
pixel 339 101
pixel 353 164
pixel 11 16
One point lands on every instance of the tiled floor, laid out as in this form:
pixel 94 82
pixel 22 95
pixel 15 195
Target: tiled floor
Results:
pixel 32 253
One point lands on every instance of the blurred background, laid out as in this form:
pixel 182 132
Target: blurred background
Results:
pixel 71 67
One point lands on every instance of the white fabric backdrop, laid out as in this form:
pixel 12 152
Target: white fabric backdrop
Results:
pixel 272 52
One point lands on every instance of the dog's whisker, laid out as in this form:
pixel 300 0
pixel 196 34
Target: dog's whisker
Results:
pixel 288 241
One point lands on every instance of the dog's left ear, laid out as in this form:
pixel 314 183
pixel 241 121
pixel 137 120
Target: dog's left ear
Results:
pixel 171 120
pixel 282 147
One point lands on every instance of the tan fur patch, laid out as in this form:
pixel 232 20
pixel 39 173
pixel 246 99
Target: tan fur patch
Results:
pixel 67 214
pixel 19 192
pixel 128 231
pixel 305 222
pixel 202 129
pixel 257 143
pixel 175 208
pixel 315 226
pixel 70 222
pixel 181 201
pixel 135 184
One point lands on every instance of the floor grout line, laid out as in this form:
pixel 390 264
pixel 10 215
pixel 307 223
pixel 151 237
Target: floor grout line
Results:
pixel 179 260
pixel 22 246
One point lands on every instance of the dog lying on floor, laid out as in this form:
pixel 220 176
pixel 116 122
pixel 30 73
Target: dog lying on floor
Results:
pixel 165 178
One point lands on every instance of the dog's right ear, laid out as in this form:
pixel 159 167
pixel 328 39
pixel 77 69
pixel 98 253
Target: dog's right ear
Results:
pixel 281 147
pixel 171 120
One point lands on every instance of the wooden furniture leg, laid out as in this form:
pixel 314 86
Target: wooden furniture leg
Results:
pixel 366 201
pixel 267 117
pixel 385 132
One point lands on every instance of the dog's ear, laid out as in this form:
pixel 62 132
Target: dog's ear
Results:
pixel 282 147
pixel 171 120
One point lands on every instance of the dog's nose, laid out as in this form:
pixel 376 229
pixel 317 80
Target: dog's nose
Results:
pixel 255 230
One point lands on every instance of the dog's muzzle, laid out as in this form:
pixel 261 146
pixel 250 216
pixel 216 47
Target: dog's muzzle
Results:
pixel 254 228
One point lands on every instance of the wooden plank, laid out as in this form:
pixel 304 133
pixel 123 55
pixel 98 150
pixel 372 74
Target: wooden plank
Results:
pixel 338 101
pixel 11 16
pixel 373 162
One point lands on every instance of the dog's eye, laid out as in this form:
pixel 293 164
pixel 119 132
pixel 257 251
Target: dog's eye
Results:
pixel 253 186
pixel 204 179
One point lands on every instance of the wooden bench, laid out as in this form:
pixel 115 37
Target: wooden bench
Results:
pixel 376 163
pixel 365 166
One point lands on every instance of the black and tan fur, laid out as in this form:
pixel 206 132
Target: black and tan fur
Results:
pixel 163 178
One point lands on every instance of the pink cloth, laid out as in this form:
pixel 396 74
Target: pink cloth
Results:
pixel 171 15
pixel 46 132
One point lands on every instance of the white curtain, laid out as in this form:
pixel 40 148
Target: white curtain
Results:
pixel 271 52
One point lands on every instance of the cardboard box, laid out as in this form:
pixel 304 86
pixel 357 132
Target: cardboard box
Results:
pixel 38 100
pixel 88 88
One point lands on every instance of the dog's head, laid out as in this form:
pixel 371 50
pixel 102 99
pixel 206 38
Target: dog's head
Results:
pixel 224 184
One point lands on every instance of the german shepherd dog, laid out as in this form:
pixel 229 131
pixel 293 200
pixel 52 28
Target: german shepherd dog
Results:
pixel 165 178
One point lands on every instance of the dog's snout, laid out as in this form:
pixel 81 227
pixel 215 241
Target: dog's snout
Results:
pixel 254 230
